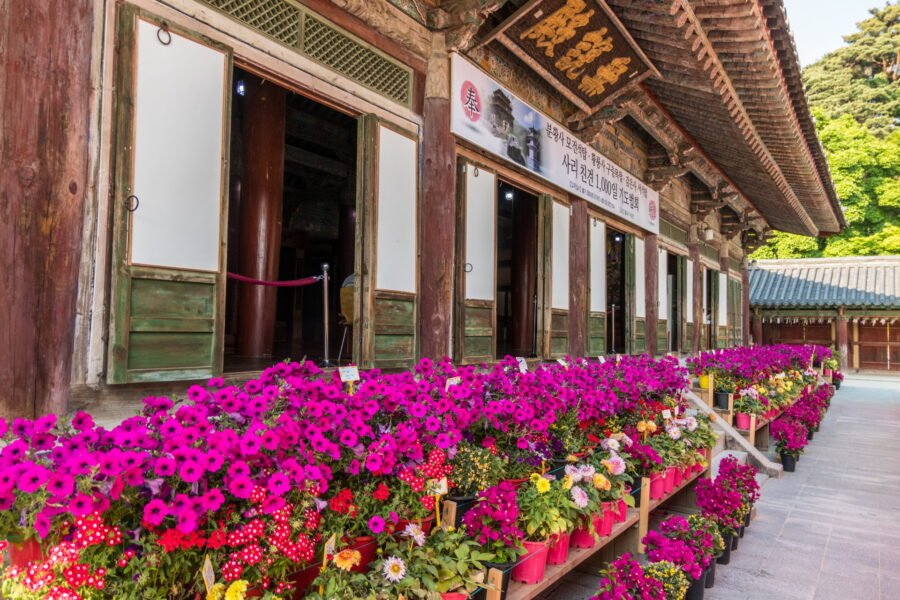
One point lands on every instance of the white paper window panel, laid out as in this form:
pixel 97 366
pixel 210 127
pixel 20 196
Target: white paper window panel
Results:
pixel 689 288
pixel 703 277
pixel 598 265
pixel 662 272
pixel 481 228
pixel 723 299
pixel 559 291
pixel 396 227
pixel 178 134
pixel 640 301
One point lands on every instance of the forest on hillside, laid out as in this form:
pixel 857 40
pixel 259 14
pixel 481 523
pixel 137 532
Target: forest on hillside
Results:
pixel 854 93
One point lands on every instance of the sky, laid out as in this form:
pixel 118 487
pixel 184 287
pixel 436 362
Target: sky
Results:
pixel 819 25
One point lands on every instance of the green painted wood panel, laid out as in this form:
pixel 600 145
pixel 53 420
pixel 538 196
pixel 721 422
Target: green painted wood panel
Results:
pixel 661 339
pixel 639 344
pixel 559 333
pixel 478 332
pixel 597 334
pixel 172 299
pixel 394 330
pixel 166 350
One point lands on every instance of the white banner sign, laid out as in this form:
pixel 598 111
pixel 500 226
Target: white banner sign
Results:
pixel 491 117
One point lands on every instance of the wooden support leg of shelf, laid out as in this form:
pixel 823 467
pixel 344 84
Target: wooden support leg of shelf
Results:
pixel 752 429
pixel 731 409
pixel 644 521
pixel 495 580
pixel 448 514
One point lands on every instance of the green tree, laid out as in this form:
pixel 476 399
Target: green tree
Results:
pixel 855 96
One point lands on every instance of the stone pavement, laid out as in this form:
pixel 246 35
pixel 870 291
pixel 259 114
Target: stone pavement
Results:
pixel 830 530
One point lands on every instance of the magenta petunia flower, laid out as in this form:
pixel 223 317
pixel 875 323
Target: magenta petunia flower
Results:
pixel 279 484
pixel 81 505
pixel 376 524
pixel 190 471
pixel 241 487
pixel 34 478
pixel 155 512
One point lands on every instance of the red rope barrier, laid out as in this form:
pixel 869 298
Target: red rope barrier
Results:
pixel 292 283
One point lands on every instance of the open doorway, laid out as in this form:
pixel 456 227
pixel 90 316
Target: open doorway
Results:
pixel 673 294
pixel 616 312
pixel 712 306
pixel 302 216
pixel 517 262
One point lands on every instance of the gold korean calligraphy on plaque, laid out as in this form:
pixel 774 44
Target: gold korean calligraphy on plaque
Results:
pixel 560 26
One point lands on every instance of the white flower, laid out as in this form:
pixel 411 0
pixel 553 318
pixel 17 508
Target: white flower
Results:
pixel 691 423
pixel 611 444
pixel 394 569
pixel 415 532
pixel 573 472
pixel 626 440
pixel 673 432
pixel 579 496
pixel 586 472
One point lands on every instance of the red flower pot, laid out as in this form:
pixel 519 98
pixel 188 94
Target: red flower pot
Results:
pixel 621 511
pixel 302 580
pixel 609 518
pixel 454 596
pixel 368 548
pixel 677 475
pixel 657 486
pixel 558 552
pixel 826 372
pixel 742 420
pixel 20 555
pixel 582 538
pixel 517 483
pixel 668 481
pixel 531 566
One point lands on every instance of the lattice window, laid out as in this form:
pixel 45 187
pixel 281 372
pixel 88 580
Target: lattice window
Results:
pixel 329 46
pixel 673 232
pixel 275 18
pixel 295 27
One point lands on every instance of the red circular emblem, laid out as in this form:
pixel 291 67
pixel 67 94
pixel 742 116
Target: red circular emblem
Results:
pixel 652 209
pixel 470 100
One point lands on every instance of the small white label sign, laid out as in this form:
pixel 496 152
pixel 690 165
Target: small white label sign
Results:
pixel 349 374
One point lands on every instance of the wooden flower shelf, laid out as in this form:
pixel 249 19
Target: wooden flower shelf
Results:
pixel 636 516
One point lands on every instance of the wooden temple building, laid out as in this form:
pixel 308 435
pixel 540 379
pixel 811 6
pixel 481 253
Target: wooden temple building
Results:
pixel 530 177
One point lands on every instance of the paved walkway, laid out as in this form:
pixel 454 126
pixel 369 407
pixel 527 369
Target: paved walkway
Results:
pixel 830 530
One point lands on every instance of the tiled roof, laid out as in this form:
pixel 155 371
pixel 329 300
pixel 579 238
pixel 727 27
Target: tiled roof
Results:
pixel 853 282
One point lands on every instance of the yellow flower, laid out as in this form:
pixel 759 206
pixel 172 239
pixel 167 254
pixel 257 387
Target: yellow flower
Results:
pixel 543 486
pixel 216 592
pixel 651 426
pixel 779 390
pixel 642 426
pixel 788 385
pixel 601 482
pixel 237 590
pixel 608 465
pixel 567 482
pixel 534 477
pixel 347 559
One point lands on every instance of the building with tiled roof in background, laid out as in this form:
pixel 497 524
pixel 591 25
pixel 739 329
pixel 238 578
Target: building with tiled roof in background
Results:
pixel 851 304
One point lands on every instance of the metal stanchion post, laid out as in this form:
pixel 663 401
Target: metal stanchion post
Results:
pixel 325 310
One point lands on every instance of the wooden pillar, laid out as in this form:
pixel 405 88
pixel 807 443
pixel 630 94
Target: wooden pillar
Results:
pixel 855 346
pixel 579 276
pixel 438 220
pixel 651 290
pixel 843 343
pixel 757 328
pixel 45 100
pixel 745 303
pixel 262 190
pixel 699 317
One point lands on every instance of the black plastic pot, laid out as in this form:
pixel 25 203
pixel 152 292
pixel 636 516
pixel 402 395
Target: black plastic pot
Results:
pixel 721 400
pixel 636 494
pixel 734 542
pixel 788 462
pixel 747 520
pixel 741 532
pixel 696 589
pixel 816 429
pixel 725 557
pixel 506 569
pixel 837 385
pixel 817 364
pixel 711 574
pixel 463 505
pixel 809 434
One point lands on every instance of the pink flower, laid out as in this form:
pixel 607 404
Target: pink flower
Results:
pixel 81 505
pixel 279 484
pixel 241 487
pixel 376 524
pixel 155 512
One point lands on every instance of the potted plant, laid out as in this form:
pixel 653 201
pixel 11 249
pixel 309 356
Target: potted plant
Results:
pixel 704 527
pixel 724 506
pixel 541 518
pixel 626 578
pixel 790 437
pixel 674 543
pixel 746 404
pixel 724 386
pixel 493 523
pixel 475 468
pixel 674 582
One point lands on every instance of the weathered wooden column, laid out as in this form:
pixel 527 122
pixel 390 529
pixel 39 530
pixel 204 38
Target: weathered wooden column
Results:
pixel 45 99
pixel 697 300
pixel 843 340
pixel 437 225
pixel 651 290
pixel 579 251
pixel 745 303
pixel 757 328
pixel 262 195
